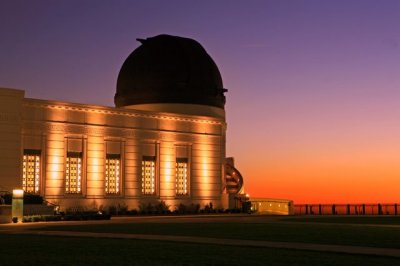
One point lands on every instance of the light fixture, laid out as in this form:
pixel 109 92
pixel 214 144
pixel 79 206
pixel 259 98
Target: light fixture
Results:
pixel 18 193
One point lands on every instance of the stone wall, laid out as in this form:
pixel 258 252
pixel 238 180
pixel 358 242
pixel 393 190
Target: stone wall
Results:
pixel 10 138
pixel 57 128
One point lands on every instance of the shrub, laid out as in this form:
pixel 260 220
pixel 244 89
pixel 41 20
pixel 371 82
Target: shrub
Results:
pixel 162 208
pixel 75 209
pixel 208 208
pixel 146 208
pixel 234 210
pixel 142 208
pixel 123 208
pixel 7 198
pixel 132 212
pixel 119 209
pixel 15 219
pixel 51 218
pixel 181 209
pixel 194 208
pixel 68 217
pixel 36 218
pixel 191 209
pixel 86 216
pixel 112 210
pixel 32 218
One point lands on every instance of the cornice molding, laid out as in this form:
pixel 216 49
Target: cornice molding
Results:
pixel 119 111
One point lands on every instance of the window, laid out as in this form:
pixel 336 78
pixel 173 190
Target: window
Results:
pixel 113 162
pixel 181 176
pixel 148 175
pixel 31 171
pixel 73 173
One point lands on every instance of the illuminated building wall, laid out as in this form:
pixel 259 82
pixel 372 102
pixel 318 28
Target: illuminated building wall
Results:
pixel 95 166
pixel 92 155
pixel 132 179
pixel 10 139
pixel 272 206
pixel 54 158
pixel 206 173
pixel 167 169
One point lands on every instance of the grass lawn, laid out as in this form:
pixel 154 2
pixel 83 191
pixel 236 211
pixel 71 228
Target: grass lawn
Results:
pixel 342 234
pixel 48 250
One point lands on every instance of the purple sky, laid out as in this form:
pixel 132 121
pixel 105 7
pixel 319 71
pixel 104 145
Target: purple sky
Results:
pixel 303 77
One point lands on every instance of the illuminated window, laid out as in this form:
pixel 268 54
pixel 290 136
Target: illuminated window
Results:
pixel 112 173
pixel 73 173
pixel 181 176
pixel 148 175
pixel 31 171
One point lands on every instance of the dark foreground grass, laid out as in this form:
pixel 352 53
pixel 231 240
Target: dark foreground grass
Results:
pixel 340 234
pixel 48 250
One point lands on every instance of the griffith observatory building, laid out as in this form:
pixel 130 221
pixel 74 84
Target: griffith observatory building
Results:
pixel 164 139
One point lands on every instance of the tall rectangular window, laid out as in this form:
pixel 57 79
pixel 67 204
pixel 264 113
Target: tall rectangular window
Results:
pixel 73 173
pixel 31 171
pixel 181 176
pixel 148 175
pixel 113 162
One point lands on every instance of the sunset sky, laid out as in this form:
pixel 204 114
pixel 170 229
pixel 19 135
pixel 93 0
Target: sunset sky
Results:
pixel 313 101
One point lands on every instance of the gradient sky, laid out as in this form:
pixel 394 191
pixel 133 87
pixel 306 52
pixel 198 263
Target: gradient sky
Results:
pixel 314 86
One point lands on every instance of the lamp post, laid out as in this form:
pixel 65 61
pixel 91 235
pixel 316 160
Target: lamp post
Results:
pixel 18 204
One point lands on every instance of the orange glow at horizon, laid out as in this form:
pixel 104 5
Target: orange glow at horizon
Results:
pixel 353 164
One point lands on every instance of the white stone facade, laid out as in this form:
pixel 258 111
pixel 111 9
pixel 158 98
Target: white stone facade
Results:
pixel 53 130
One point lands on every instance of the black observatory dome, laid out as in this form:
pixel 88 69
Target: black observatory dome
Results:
pixel 169 69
